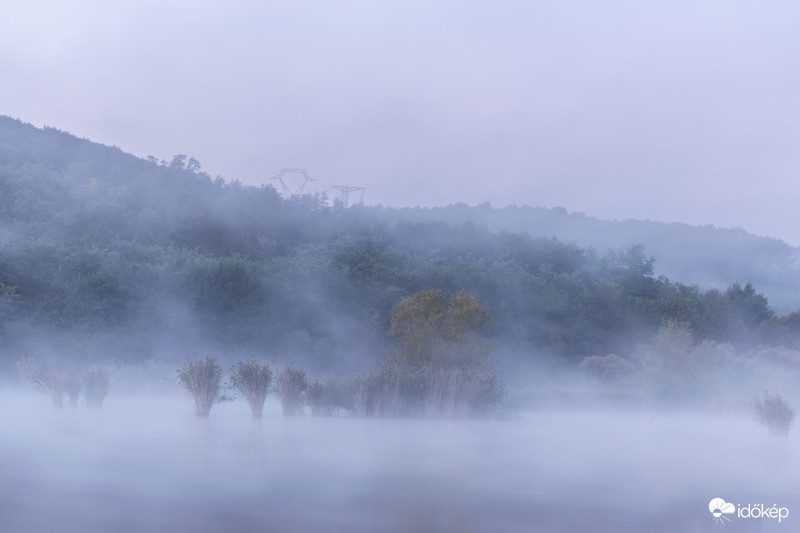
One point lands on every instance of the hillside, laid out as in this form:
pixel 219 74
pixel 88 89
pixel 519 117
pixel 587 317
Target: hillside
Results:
pixel 706 256
pixel 109 257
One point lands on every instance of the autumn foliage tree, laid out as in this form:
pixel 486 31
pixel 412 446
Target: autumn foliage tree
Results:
pixel 442 353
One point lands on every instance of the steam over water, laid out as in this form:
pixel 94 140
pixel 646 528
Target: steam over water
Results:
pixel 148 464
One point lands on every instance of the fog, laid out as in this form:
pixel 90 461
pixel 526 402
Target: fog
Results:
pixel 677 112
pixel 479 369
pixel 145 463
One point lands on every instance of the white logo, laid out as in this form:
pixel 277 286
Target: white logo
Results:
pixel 719 508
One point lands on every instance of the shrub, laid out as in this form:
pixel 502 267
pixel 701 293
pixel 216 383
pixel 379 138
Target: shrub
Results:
pixel 326 397
pixel 96 384
pixel 201 379
pixel 252 380
pixel 291 384
pixel 773 412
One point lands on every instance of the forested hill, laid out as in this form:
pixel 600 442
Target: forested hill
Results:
pixel 105 256
pixel 707 256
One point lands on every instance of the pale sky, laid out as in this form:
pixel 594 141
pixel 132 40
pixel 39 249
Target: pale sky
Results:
pixel 675 111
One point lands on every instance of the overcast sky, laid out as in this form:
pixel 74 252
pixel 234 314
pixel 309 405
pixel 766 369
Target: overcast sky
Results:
pixel 675 111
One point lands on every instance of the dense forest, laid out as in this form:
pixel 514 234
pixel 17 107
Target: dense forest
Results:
pixel 706 256
pixel 106 257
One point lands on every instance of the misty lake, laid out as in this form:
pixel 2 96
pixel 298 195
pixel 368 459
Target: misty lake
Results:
pixel 148 464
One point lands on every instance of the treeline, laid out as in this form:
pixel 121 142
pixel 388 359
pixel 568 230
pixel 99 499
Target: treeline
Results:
pixel 440 369
pixel 676 368
pixel 707 256
pixel 107 257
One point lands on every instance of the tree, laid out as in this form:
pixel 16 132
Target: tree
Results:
pixel 631 262
pixel 252 379
pixel 669 364
pixel 193 165
pixel 748 307
pixel 431 327
pixel 442 350
pixel 633 270
pixel 773 412
pixel 201 379
pixel 291 384
pixel 178 162
pixel 672 344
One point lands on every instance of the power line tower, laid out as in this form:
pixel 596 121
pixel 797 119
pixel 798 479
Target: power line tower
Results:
pixel 346 190
pixel 293 181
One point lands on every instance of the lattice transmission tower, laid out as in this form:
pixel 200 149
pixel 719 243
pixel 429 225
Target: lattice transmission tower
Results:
pixel 346 190
pixel 293 181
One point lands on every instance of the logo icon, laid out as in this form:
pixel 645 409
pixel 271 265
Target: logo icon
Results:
pixel 719 508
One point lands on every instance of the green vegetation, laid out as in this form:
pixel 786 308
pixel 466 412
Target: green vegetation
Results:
pixel 99 246
pixel 201 379
pixel 105 253
pixel 252 380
